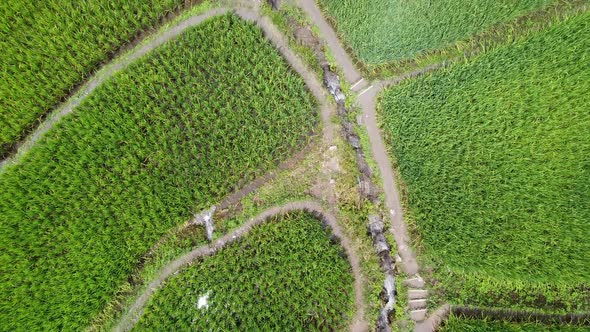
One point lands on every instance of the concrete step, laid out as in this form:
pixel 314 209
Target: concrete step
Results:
pixel 418 315
pixel 417 294
pixel 359 85
pixel 365 90
pixel 416 282
pixel 417 304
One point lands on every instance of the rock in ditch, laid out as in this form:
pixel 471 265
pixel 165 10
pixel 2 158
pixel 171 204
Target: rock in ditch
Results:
pixel 367 189
pixel 332 82
pixel 388 309
pixel 375 225
pixel 274 4
pixel 354 141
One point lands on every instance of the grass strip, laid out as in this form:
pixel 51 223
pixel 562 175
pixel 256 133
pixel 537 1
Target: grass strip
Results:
pixel 456 324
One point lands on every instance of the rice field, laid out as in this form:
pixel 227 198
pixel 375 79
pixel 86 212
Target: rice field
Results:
pixel 169 136
pixel 49 47
pixel 285 275
pixel 382 31
pixel 455 324
pixel 493 154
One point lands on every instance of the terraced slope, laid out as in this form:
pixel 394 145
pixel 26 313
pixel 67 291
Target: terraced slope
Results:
pixel 494 155
pixel 392 30
pixel 169 136
pixel 286 274
pixel 49 47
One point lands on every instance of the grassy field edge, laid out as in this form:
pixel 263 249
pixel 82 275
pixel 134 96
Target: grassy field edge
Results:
pixel 498 35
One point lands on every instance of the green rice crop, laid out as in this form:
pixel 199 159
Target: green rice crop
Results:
pixel 494 157
pixel 285 275
pixel 170 136
pixel 49 47
pixel 380 31
pixel 455 324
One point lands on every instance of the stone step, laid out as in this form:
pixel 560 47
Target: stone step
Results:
pixel 418 315
pixel 417 294
pixel 416 282
pixel 417 304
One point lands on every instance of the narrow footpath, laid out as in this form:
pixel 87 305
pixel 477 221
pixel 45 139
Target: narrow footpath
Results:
pixel 132 316
pixel 366 94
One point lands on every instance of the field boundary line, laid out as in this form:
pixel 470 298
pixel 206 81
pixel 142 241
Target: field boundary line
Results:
pixel 131 317
pixel 439 317
pixel 103 74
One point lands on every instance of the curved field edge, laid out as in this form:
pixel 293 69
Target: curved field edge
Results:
pixel 139 155
pixel 168 31
pixel 275 187
pixel 50 48
pixel 496 36
pixel 455 323
pixel 136 310
pixel 564 294
pixel 284 274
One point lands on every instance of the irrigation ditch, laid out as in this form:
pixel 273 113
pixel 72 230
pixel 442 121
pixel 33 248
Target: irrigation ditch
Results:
pixel 367 188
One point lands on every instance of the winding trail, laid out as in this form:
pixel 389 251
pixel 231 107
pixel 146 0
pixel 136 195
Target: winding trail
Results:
pixel 161 38
pixel 136 311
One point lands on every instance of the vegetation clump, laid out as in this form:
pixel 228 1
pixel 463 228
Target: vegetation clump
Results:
pixel 456 324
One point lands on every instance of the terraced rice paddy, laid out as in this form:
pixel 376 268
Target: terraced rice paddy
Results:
pixel 170 136
pixel 49 47
pixel 383 31
pixel 286 274
pixel 454 324
pixel 494 157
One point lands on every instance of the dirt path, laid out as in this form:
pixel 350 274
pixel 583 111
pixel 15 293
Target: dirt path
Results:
pixel 351 74
pixel 124 61
pixel 134 314
pixel 392 201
